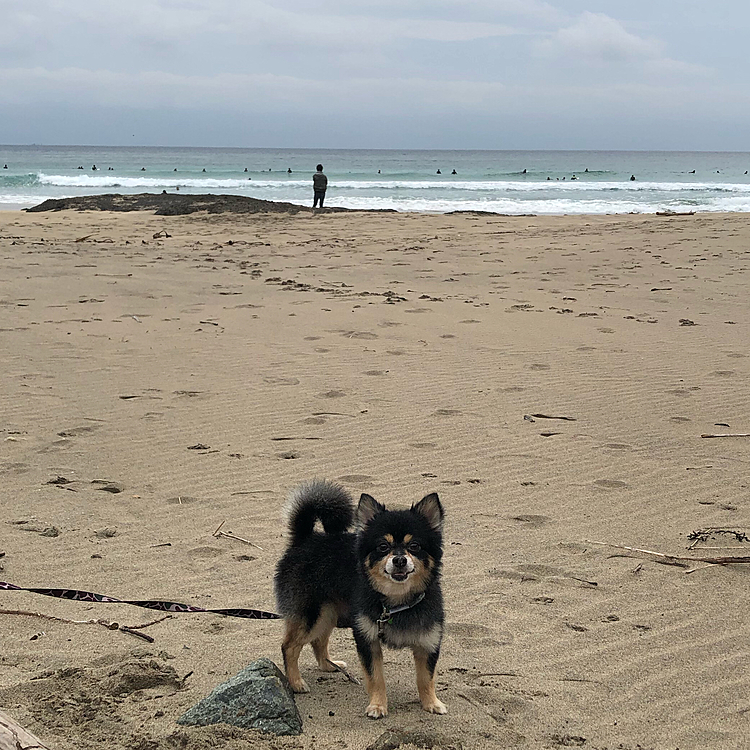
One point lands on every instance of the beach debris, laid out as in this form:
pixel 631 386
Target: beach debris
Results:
pixel 258 697
pixel 349 676
pixel 547 416
pixel 131 629
pixel 703 535
pixel 14 737
pixel 198 447
pixel 104 485
pixel 37 528
pixel 85 237
pixel 231 535
pixel 59 481
pixel 724 434
pixel 675 213
pixel 678 560
pixel 687 322
pixel 548 433
pixel 162 233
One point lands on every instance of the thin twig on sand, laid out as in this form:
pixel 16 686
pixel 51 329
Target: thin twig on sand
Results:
pixel 344 672
pixel 722 560
pixel 725 434
pixel 131 629
pixel 231 535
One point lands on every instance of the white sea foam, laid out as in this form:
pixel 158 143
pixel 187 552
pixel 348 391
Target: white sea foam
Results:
pixel 430 195
pixel 520 186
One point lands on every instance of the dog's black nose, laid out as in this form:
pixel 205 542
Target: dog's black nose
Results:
pixel 399 562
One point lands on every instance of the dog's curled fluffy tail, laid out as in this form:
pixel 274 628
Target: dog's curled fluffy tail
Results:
pixel 318 500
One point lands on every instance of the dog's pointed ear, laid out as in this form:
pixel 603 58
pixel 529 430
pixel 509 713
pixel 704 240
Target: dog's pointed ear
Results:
pixel 429 507
pixel 367 509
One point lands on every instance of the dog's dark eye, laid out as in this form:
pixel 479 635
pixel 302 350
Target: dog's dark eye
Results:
pixel 414 547
pixel 383 547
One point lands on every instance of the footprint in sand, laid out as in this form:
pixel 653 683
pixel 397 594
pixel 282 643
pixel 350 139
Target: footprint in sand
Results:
pixel 314 420
pixel 538 366
pixel 679 419
pixel 446 413
pixel 472 636
pixel 375 372
pixel 332 394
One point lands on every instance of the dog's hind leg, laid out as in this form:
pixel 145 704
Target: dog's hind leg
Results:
pixel 321 634
pixel 295 638
pixel 425 663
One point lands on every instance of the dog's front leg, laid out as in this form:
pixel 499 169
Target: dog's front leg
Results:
pixel 425 663
pixel 371 656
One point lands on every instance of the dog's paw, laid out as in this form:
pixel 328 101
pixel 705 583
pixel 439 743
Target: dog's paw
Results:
pixel 435 707
pixel 332 666
pixel 300 686
pixel 377 710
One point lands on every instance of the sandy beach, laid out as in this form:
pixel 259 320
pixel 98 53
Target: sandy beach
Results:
pixel 164 374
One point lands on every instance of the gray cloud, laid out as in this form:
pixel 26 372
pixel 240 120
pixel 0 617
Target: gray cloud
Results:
pixel 458 69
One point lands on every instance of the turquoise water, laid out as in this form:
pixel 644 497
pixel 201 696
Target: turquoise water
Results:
pixel 402 180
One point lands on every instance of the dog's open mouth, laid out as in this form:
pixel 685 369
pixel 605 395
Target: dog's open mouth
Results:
pixel 400 576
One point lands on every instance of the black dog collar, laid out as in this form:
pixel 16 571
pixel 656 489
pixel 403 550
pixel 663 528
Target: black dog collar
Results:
pixel 386 616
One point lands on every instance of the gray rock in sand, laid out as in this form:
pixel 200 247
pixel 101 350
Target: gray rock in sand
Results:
pixel 259 697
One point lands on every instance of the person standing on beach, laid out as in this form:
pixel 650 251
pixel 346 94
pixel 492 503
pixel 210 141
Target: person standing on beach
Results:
pixel 320 183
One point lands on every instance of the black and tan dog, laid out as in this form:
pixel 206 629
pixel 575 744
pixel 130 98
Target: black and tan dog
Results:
pixel 382 580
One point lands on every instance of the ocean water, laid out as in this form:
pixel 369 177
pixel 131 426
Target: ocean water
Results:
pixel 506 182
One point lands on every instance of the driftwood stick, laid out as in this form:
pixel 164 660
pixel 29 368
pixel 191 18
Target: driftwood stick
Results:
pixel 724 560
pixel 131 630
pixel 344 672
pixel 14 737
pixel 725 434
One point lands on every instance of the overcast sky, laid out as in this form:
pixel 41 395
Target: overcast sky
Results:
pixel 505 74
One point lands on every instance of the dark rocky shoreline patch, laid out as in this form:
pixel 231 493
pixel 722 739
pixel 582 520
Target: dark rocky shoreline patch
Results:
pixel 170 204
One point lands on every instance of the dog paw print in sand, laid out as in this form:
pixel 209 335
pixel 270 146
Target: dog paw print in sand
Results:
pixel 205 558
